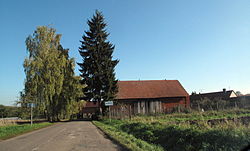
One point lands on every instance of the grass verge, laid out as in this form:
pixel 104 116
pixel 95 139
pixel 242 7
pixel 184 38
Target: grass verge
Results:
pixel 190 131
pixel 14 130
pixel 127 140
pixel 188 137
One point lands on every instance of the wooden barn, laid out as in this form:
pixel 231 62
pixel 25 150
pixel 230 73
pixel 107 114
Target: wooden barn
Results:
pixel 152 96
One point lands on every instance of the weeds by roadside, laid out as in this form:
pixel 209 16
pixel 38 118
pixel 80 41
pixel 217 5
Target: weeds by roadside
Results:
pixel 13 130
pixel 213 130
pixel 127 140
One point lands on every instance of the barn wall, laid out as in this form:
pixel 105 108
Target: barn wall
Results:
pixel 144 106
pixel 160 105
pixel 169 103
pixel 90 110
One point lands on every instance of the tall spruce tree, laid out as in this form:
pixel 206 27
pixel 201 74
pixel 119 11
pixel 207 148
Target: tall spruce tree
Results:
pixel 97 69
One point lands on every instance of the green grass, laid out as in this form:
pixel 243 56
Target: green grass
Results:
pixel 176 132
pixel 14 130
pixel 194 116
pixel 127 140
pixel 188 137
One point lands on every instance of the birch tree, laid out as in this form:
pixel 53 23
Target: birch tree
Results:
pixel 49 74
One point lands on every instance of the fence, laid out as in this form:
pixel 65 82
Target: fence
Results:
pixel 121 111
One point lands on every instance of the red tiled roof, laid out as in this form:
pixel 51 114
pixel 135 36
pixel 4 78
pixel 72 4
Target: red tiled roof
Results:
pixel 150 89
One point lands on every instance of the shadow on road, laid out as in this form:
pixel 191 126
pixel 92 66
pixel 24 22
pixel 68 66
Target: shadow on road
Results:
pixel 42 121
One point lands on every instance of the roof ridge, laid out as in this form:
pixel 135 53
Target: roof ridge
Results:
pixel 142 80
pixel 216 92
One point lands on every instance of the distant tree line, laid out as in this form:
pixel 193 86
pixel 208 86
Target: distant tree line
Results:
pixel 9 111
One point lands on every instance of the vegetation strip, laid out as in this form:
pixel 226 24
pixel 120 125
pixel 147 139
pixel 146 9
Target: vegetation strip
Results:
pixel 195 116
pixel 186 137
pixel 127 140
pixel 171 134
pixel 14 130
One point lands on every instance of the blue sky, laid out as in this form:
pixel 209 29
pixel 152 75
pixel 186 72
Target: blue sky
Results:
pixel 203 44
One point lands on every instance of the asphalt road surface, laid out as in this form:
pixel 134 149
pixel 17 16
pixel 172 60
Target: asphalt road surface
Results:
pixel 68 136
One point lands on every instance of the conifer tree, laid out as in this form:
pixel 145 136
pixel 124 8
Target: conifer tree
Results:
pixel 98 67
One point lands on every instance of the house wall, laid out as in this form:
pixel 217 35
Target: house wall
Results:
pixel 232 95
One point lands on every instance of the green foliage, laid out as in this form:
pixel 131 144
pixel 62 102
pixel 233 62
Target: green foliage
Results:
pixel 218 103
pixel 180 108
pixel 98 66
pixel 182 138
pixel 13 130
pixel 129 141
pixel 50 82
pixel 75 108
pixel 182 131
pixel 194 116
pixel 142 131
pixel 9 111
pixel 2 111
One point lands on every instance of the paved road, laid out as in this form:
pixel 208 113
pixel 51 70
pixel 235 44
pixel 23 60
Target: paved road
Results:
pixel 70 136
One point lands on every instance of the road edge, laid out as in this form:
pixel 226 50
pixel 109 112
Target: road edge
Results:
pixel 26 132
pixel 106 135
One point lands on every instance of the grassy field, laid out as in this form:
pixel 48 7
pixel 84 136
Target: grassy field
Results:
pixel 191 131
pixel 14 130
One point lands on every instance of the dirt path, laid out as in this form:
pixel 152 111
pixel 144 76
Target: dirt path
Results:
pixel 70 136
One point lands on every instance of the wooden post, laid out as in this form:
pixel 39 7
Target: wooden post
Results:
pixel 109 115
pixel 31 115
pixel 120 112
pixel 129 111
pixel 111 112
